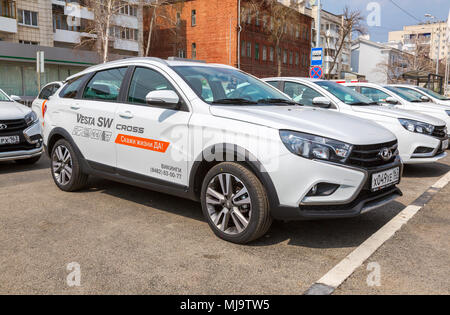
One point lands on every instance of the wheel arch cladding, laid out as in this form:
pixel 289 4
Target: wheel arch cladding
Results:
pixel 58 134
pixel 219 153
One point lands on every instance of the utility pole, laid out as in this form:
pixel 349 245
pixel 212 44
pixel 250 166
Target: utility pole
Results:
pixel 319 9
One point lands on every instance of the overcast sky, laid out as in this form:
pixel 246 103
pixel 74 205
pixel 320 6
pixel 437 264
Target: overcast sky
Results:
pixel 392 18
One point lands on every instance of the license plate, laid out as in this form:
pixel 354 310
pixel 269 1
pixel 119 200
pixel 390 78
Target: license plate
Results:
pixel 386 178
pixel 9 140
pixel 445 144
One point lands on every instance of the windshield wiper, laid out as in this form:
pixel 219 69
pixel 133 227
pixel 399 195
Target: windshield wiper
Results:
pixel 417 101
pixel 362 104
pixel 237 101
pixel 277 101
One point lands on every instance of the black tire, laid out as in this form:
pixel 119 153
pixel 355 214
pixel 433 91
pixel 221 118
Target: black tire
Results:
pixel 29 161
pixel 260 219
pixel 78 179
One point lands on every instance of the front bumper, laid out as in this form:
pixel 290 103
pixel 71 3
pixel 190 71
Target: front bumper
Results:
pixel 361 200
pixel 21 155
pixel 30 145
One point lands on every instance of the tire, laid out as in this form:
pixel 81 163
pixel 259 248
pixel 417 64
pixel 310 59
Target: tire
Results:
pixel 246 201
pixel 29 161
pixel 63 159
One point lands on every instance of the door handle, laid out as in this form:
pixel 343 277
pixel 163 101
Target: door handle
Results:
pixel 75 107
pixel 126 115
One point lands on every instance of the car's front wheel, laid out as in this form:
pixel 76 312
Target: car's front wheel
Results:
pixel 235 203
pixel 66 168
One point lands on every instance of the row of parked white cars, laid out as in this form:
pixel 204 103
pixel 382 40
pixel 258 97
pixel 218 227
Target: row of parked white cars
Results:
pixel 249 150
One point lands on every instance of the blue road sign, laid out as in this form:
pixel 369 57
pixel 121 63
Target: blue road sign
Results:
pixel 316 72
pixel 316 56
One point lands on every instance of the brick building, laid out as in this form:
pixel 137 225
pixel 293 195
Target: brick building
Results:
pixel 209 30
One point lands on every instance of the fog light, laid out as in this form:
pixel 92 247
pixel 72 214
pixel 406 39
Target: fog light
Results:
pixel 322 189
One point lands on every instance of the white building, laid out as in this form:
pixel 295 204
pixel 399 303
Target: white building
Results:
pixel 377 62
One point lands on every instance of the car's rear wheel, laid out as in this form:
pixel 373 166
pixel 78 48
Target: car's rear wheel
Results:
pixel 66 169
pixel 235 203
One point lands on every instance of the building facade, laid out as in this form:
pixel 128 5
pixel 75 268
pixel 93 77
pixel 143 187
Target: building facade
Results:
pixel 377 62
pixel 330 35
pixel 209 30
pixel 58 28
pixel 432 35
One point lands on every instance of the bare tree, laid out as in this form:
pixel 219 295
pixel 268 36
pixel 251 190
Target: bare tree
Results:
pixel 352 24
pixel 162 13
pixel 275 19
pixel 416 60
pixel 100 30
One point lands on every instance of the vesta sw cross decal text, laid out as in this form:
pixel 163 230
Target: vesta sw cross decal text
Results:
pixel 142 143
pixel 102 122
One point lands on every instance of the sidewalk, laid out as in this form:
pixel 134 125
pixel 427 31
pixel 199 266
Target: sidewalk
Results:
pixel 416 260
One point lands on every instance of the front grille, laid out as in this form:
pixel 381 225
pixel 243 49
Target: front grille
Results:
pixel 368 156
pixel 439 132
pixel 12 125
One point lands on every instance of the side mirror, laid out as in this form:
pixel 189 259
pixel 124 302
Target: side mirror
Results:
pixel 391 100
pixel 15 98
pixel 163 98
pixel 425 99
pixel 322 102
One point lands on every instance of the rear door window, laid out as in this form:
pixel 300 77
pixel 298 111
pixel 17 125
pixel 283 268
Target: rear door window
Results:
pixel 105 85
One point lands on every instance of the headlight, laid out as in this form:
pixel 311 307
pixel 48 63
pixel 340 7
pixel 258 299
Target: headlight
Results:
pixel 417 126
pixel 31 118
pixel 315 147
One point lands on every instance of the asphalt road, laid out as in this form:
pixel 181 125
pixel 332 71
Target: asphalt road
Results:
pixel 133 241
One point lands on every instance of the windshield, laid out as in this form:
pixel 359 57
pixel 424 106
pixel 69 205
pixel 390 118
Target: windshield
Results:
pixel 405 95
pixel 433 94
pixel 345 94
pixel 4 97
pixel 229 86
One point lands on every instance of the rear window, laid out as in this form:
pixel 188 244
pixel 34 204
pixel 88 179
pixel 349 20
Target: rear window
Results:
pixel 48 91
pixel 71 88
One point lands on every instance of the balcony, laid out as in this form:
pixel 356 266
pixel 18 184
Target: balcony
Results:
pixel 64 36
pixel 8 22
pixel 123 44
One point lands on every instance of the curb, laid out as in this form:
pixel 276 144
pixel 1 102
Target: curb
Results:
pixel 344 269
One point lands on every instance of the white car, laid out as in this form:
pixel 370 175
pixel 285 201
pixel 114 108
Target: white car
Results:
pixel 425 94
pixel 395 98
pixel 248 154
pixel 39 105
pixel 421 138
pixel 20 132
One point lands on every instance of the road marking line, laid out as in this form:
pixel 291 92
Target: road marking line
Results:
pixel 344 269
pixel 442 182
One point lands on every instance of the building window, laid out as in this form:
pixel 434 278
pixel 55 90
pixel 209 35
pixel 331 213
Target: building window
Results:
pixel 285 56
pixel 125 9
pixel 194 50
pixel 29 18
pixel 194 18
pixel 243 48
pixel 249 49
pixel 272 53
pixel 297 59
pixel 257 18
pixel 256 51
pixel 178 18
pixel 291 58
pixel 26 42
pixel 182 53
pixel 124 33
pixel 264 53
pixel 249 17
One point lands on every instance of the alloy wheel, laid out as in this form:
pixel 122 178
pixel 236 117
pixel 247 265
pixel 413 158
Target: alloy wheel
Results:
pixel 62 165
pixel 229 204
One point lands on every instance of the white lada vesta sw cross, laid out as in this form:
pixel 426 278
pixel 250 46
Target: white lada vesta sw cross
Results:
pixel 217 135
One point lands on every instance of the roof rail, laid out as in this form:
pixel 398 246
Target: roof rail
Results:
pixel 185 59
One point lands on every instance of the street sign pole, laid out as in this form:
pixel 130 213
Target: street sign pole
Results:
pixel 40 67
